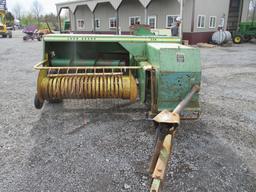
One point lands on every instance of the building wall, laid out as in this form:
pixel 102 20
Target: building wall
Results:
pixel 162 8
pixel 158 8
pixel 187 16
pixel 218 8
pixel 245 10
pixel 72 19
pixel 103 12
pixel 83 12
pixel 130 8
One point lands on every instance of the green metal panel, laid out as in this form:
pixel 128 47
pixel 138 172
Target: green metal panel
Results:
pixel 178 68
pixel 153 55
pixel 108 38
pixel 180 60
pixel 136 49
pixel 173 87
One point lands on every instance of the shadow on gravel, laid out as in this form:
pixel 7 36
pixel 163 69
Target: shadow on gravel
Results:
pixel 78 147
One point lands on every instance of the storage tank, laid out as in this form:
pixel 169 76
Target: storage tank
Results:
pixel 221 37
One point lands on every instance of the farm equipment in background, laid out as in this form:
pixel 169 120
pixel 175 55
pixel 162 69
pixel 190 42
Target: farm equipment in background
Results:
pixel 32 32
pixel 66 26
pixel 246 32
pixel 156 69
pixel 3 28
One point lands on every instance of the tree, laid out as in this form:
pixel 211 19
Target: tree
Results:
pixel 17 11
pixel 9 19
pixel 37 10
pixel 52 20
pixel 252 10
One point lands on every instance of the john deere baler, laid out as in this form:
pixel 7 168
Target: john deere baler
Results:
pixel 126 67
pixel 135 68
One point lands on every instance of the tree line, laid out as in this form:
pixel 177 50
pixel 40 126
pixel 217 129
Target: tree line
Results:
pixel 34 16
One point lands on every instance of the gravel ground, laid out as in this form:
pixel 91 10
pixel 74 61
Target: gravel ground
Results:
pixel 77 146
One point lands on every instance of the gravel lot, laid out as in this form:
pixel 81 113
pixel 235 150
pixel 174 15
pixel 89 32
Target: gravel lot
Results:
pixel 77 146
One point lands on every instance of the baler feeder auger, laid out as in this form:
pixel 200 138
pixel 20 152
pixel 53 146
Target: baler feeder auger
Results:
pixel 154 68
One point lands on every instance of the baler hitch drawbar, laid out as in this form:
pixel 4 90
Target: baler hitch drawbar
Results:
pixel 167 122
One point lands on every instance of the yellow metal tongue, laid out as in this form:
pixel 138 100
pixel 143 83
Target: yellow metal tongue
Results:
pixel 167 117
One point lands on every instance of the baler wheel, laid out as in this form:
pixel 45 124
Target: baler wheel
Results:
pixel 237 39
pixel 38 104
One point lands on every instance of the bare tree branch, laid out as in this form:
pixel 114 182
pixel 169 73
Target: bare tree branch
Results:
pixel 37 10
pixel 17 10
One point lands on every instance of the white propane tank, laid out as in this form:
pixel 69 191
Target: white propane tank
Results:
pixel 221 37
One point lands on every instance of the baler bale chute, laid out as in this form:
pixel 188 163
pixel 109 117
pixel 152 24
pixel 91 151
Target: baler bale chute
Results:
pixel 135 68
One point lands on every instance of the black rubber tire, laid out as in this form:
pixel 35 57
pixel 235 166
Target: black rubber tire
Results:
pixel 39 39
pixel 247 38
pixel 10 36
pixel 25 38
pixel 38 104
pixel 237 39
pixel 4 36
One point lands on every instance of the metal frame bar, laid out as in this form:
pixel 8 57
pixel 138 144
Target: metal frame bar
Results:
pixel 39 66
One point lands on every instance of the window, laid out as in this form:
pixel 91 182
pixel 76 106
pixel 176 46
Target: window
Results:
pixel 152 22
pixel 112 22
pixel 80 24
pixel 170 20
pixel 134 20
pixel 201 21
pixel 212 22
pixel 97 23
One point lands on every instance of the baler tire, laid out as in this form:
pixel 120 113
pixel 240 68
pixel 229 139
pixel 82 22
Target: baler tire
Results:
pixel 38 104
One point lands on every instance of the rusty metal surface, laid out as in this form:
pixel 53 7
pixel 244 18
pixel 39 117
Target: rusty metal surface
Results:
pixel 161 155
pixel 89 87
pixel 153 90
pixel 167 117
pixel 161 164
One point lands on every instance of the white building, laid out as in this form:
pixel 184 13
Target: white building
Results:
pixel 200 17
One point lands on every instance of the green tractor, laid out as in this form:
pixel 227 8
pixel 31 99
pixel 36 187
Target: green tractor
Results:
pixel 246 32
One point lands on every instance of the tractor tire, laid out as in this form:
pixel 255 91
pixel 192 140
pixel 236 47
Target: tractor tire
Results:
pixel 237 39
pixel 247 38
pixel 4 36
